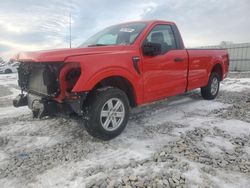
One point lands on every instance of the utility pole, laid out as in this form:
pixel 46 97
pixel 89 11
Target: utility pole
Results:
pixel 69 30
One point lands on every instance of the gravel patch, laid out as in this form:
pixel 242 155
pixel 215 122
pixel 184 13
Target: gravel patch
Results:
pixel 179 151
pixel 5 91
pixel 172 160
pixel 240 108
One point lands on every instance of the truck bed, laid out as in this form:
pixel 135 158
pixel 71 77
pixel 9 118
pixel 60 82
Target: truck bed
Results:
pixel 199 62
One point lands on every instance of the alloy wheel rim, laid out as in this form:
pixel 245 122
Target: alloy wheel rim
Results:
pixel 214 86
pixel 112 114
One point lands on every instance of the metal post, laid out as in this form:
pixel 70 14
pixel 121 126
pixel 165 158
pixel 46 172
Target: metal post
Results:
pixel 70 30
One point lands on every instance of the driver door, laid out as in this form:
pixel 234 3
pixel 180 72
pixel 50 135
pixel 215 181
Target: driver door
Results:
pixel 164 74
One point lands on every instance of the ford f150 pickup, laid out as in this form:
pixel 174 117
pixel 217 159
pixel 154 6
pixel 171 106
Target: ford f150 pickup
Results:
pixel 122 66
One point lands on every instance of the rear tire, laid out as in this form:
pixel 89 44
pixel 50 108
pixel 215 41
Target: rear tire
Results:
pixel 106 113
pixel 210 91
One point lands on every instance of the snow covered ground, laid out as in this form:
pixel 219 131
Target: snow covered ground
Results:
pixel 182 141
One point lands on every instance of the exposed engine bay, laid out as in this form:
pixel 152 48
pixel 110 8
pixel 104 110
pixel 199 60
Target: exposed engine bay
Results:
pixel 40 86
pixel 41 79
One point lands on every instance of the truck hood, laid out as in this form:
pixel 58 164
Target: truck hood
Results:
pixel 61 55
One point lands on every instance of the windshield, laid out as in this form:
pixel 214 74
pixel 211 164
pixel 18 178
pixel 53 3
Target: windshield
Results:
pixel 123 34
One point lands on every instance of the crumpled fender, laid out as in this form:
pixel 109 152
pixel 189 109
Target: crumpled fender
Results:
pixel 84 84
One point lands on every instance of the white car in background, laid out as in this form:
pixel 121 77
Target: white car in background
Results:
pixel 7 68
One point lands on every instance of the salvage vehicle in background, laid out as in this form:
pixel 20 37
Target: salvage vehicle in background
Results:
pixel 6 68
pixel 122 66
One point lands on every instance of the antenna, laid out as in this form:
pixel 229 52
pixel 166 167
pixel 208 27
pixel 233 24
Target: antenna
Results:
pixel 69 30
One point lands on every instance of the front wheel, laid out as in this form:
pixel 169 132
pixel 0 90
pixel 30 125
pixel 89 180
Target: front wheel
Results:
pixel 210 91
pixel 8 71
pixel 106 113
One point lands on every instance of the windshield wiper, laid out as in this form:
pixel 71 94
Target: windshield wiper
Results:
pixel 97 45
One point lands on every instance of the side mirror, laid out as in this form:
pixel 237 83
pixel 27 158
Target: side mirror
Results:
pixel 151 49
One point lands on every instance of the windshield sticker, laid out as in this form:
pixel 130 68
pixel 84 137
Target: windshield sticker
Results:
pixel 129 30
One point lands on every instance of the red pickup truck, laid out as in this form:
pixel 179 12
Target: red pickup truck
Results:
pixel 122 66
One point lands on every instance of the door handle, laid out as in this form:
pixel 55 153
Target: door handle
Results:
pixel 178 60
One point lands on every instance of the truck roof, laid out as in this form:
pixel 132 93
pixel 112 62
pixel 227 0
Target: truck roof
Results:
pixel 148 22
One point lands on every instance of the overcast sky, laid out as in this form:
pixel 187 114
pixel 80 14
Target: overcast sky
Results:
pixel 28 25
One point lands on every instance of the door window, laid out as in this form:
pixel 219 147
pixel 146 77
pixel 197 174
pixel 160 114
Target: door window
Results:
pixel 163 35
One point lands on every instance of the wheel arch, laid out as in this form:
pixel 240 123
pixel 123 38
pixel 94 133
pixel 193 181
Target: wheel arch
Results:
pixel 121 83
pixel 217 67
pixel 116 77
pixel 8 70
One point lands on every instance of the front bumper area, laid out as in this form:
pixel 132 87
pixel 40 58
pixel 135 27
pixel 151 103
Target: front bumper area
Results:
pixel 47 107
pixel 20 100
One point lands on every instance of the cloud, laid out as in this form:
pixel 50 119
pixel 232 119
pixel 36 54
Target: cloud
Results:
pixel 29 25
pixel 206 22
pixel 45 24
pixel 33 25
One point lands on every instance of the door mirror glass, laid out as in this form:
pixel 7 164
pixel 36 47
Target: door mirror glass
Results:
pixel 151 49
pixel 164 36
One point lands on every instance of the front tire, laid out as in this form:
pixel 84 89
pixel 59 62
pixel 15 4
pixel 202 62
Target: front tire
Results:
pixel 210 91
pixel 106 113
pixel 8 71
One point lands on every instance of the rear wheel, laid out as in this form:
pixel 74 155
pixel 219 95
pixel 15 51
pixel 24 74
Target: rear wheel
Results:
pixel 211 90
pixel 106 113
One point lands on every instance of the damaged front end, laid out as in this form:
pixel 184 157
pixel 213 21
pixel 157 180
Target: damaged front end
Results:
pixel 47 88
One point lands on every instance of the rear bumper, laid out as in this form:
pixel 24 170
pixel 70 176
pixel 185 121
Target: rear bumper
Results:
pixel 47 107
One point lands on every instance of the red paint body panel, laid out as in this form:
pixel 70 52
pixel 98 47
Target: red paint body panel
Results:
pixel 95 69
pixel 160 76
pixel 163 77
pixel 61 55
pixel 201 63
